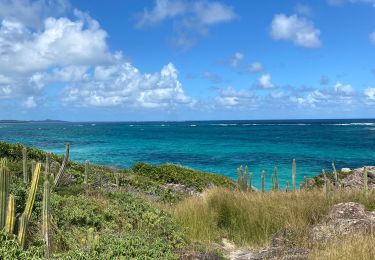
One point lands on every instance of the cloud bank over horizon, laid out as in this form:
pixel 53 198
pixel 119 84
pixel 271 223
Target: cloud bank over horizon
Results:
pixel 55 57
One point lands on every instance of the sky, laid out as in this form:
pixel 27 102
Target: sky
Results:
pixel 186 60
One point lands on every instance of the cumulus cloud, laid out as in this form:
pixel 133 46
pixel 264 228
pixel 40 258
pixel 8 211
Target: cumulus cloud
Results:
pixel 236 59
pixel 346 89
pixel 256 67
pixel 299 30
pixel 190 19
pixel 230 97
pixel 265 81
pixel 123 85
pixel 370 93
pixel 74 52
pixel 32 12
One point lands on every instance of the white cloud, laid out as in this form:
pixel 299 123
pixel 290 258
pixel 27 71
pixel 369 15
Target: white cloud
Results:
pixel 29 102
pixel 370 93
pixel 297 29
pixel 342 88
pixel 202 12
pixel 236 59
pixel 191 19
pixel 31 12
pixel 230 97
pixel 123 85
pixel 265 81
pixel 256 67
pixel 372 37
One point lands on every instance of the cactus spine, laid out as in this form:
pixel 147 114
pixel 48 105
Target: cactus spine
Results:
pixel 263 176
pixel 294 170
pixel 31 198
pixel 87 172
pixel 9 224
pixel 26 177
pixel 23 220
pixel 46 219
pixel 4 191
pixel 63 166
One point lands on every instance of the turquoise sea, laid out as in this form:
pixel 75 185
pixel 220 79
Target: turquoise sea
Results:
pixel 214 146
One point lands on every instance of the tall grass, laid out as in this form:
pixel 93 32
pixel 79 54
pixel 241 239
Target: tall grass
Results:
pixel 252 218
pixel 348 248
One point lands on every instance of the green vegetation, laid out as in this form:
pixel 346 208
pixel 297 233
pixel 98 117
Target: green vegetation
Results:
pixel 87 211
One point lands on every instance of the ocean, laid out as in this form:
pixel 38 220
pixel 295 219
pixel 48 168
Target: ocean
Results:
pixel 214 146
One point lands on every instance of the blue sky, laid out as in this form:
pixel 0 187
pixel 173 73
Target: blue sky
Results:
pixel 186 60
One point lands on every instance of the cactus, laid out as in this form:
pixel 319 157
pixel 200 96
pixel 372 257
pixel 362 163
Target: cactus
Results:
pixel 33 164
pixel 87 169
pixel 273 182
pixel 239 177
pixel 287 187
pixel 294 171
pixel 4 191
pixel 10 215
pixel 276 179
pixel 32 192
pixel 326 188
pixel 63 166
pixel 47 166
pixel 263 176
pixel 46 219
pixel 251 182
pixel 365 181
pixel 22 226
pixel 26 177
pixel 54 169
pixel 335 173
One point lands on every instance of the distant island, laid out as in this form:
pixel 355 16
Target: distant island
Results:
pixel 33 121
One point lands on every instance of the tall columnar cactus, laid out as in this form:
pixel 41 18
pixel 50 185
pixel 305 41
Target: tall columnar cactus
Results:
pixel 294 171
pixel 46 219
pixel 22 226
pixel 63 166
pixel 335 173
pixel 263 176
pixel 33 164
pixel 251 182
pixel 26 175
pixel 244 178
pixel 32 192
pixel 365 181
pixel 10 215
pixel 326 184
pixel 47 166
pixel 273 182
pixel 239 177
pixel 87 172
pixel 276 179
pixel 287 187
pixel 4 191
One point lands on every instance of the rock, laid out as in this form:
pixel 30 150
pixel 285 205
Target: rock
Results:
pixel 343 219
pixel 183 189
pixel 355 179
pixel 281 247
pixel 308 184
pixel 345 170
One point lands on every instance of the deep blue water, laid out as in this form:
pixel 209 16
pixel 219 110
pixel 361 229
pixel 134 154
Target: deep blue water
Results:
pixel 214 146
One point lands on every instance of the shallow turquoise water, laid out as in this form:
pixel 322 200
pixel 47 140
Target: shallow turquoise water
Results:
pixel 215 146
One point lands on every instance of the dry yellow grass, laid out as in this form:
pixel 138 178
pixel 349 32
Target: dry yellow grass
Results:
pixel 349 248
pixel 252 218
